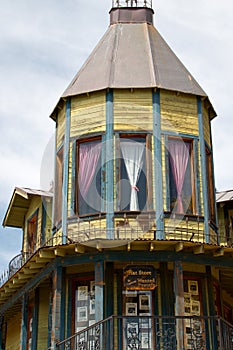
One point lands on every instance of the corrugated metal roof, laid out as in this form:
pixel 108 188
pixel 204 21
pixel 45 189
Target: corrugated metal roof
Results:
pixel 224 196
pixel 19 205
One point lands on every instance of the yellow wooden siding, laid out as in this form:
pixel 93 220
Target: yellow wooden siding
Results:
pixel 60 127
pixel 88 114
pixel 87 230
pixel 13 333
pixel 176 229
pixel 57 237
pixel 206 125
pixel 133 110
pixel 43 319
pixel 36 203
pixel 48 227
pixel 179 112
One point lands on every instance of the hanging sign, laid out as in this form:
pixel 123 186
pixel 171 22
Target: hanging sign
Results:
pixel 139 277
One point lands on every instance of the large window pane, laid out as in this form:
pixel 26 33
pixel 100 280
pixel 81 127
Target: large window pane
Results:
pixel 89 177
pixel 181 180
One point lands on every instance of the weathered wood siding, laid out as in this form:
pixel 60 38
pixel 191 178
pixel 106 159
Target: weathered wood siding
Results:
pixel 179 113
pixel 70 188
pixel 13 332
pixel 207 127
pixel 60 126
pixel 42 341
pixel 133 110
pixel 87 230
pixel 88 113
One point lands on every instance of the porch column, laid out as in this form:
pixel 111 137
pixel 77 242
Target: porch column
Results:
pixel 99 291
pixel 1 330
pixel 179 302
pixel 212 312
pixel 23 339
pixel 58 325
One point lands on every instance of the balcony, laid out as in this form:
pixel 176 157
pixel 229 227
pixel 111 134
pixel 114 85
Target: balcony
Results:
pixel 155 332
pixel 132 3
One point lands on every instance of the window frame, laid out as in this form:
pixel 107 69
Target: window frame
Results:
pixel 148 170
pixel 210 184
pixel 58 187
pixel 32 231
pixel 194 204
pixel 76 206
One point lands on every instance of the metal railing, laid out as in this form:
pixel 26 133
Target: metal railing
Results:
pixel 132 3
pixel 153 332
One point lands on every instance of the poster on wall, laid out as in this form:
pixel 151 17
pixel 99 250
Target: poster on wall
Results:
pixel 139 277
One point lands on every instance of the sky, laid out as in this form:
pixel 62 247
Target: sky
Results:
pixel 44 43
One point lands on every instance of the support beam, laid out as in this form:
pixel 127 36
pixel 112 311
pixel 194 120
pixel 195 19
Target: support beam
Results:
pixel 57 300
pixel 99 291
pixel 24 321
pixel 109 157
pixel 203 170
pixel 158 176
pixel 179 247
pixel 219 252
pixel 199 250
pixel 179 302
pixel 66 172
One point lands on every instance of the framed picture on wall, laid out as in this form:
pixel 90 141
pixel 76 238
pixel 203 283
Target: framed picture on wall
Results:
pixel 131 309
pixel 144 302
pixel 187 298
pixel 82 292
pixel 195 307
pixel 82 314
pixel 193 287
pixel 145 340
pixel 92 306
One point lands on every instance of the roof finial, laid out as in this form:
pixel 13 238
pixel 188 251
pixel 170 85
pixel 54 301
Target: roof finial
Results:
pixel 132 3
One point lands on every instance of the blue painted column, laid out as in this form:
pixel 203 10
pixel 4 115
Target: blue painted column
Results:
pixel 58 323
pixel 24 321
pixel 99 290
pixel 1 331
pixel 203 170
pixel 66 172
pixel 158 176
pixel 179 302
pixel 109 163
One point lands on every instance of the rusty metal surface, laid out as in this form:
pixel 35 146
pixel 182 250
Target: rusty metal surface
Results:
pixel 133 56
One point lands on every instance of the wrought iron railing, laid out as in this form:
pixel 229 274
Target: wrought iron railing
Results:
pixel 132 3
pixel 155 332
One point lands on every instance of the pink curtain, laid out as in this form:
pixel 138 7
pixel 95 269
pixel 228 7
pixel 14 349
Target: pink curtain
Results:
pixel 179 156
pixel 89 154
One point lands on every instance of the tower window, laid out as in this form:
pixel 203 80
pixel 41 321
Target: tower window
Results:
pixel 32 232
pixel 58 187
pixel 181 176
pixel 132 182
pixel 88 177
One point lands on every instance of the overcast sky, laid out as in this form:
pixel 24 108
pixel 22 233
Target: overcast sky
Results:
pixel 44 43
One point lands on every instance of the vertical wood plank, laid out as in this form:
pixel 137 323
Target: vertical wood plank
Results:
pixel 179 302
pixel 24 321
pixel 99 291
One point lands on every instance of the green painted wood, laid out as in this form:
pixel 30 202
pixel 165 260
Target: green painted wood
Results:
pixel 158 176
pixel 119 306
pixel 109 145
pixel 24 321
pixel 69 309
pixel 73 181
pixel 203 169
pixel 99 290
pixel 50 312
pixel 66 172
pixel 109 289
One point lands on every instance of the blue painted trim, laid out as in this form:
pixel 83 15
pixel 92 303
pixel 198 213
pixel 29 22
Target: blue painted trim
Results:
pixel 66 171
pixel 168 200
pixel 24 321
pixel 197 176
pixel 211 303
pixel 69 309
pixel 44 219
pixel 99 290
pixel 203 169
pixel 73 180
pixel 109 165
pixel 103 174
pixel 35 320
pixel 58 324
pixel 158 176
pixel 177 134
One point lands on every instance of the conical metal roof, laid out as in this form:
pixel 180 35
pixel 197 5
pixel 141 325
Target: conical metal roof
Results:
pixel 132 54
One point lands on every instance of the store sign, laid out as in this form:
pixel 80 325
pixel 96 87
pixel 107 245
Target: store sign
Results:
pixel 139 277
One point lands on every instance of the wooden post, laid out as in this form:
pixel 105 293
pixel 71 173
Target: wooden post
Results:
pixel 211 302
pixel 158 176
pixel 23 339
pixel 57 307
pixel 99 291
pixel 179 303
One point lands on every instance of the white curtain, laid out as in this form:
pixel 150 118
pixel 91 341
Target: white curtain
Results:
pixel 132 153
